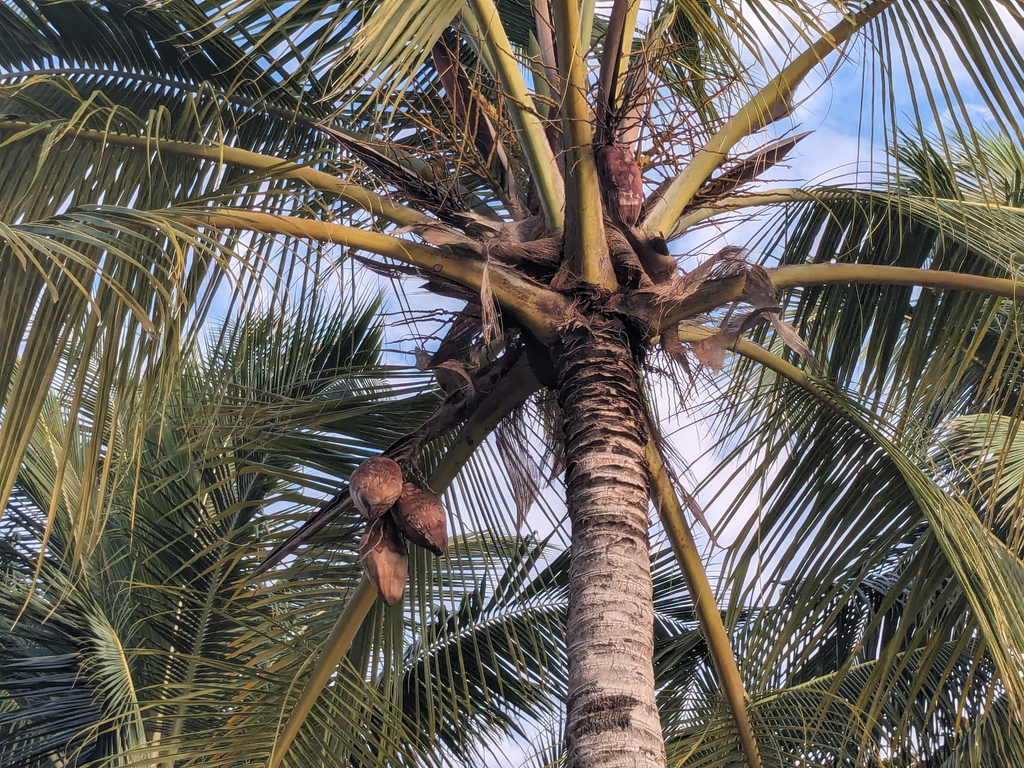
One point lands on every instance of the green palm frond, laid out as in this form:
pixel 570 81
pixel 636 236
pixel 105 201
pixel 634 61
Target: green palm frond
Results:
pixel 171 163
pixel 154 584
pixel 209 664
pixel 848 491
pixel 840 501
pixel 981 453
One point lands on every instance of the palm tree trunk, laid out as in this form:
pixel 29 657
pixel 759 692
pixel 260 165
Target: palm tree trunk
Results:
pixel 612 718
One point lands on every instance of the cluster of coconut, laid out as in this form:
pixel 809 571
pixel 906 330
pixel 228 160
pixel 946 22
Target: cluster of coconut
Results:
pixel 396 511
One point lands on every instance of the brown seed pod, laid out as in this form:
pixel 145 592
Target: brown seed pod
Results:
pixel 420 517
pixel 385 559
pixel 375 485
pixel 622 182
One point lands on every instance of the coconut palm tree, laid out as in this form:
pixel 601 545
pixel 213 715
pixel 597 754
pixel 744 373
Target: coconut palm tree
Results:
pixel 533 163
pixel 140 645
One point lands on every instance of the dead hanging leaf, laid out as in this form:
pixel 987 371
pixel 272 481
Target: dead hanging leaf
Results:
pixel 711 351
pixel 453 376
pixel 525 474
pixel 472 111
pixel 492 226
pixel 422 359
pixel 671 344
pixel 728 262
pixel 489 312
pixel 792 339
pixel 757 316
pixel 441 236
pixel 784 330
pixel 759 290
pixel 675 350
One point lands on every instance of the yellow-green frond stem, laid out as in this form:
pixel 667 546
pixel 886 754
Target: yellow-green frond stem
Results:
pixel 831 274
pixel 220 153
pixel 780 196
pixel 767 197
pixel 535 306
pixel 719 293
pixel 585 246
pixel 530 129
pixel 618 43
pixel 587 11
pixel 673 518
pixel 771 103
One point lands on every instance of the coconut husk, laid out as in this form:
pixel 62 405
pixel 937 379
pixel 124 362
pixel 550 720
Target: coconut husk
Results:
pixel 420 517
pixel 385 559
pixel 375 485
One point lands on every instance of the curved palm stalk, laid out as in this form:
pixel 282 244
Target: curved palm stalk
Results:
pixel 618 44
pixel 772 103
pixel 586 249
pixel 536 306
pixel 705 606
pixel 696 215
pixel 543 167
pixel 222 153
pixel 505 398
pixel 720 292
pixel 970 222
pixel 876 274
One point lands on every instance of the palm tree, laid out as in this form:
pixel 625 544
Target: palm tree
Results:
pixel 140 646
pixel 534 163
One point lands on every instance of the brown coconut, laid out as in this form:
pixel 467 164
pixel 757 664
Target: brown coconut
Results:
pixel 385 559
pixel 375 485
pixel 420 517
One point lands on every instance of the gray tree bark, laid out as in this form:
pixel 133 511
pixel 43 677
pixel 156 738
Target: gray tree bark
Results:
pixel 612 718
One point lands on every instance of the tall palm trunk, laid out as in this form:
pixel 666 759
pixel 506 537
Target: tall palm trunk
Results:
pixel 612 719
